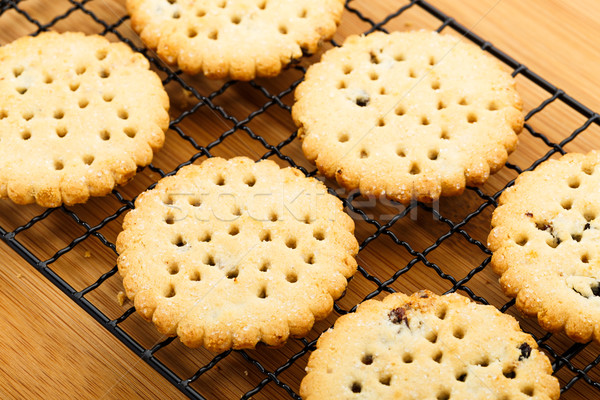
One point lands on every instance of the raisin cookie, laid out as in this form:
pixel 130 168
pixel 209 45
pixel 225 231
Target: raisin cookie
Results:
pixel 230 253
pixel 546 244
pixel 427 347
pixel 411 115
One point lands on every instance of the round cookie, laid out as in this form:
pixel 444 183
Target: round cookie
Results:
pixel 409 115
pixel 546 244
pixel 239 39
pixel 427 347
pixel 78 115
pixel 230 252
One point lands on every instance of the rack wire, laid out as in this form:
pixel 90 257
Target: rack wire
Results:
pixel 379 226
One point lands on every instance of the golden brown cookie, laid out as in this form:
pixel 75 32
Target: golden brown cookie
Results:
pixel 239 39
pixel 78 115
pixel 427 347
pixel 413 115
pixel 230 252
pixel 546 244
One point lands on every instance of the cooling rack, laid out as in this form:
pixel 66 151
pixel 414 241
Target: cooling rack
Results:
pixel 402 248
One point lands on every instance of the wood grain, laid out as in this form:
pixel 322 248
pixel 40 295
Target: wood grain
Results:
pixel 52 349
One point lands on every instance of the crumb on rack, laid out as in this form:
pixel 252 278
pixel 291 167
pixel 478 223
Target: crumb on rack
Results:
pixel 121 298
pixel 87 254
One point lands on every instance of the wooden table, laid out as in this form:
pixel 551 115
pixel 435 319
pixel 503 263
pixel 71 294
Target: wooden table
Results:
pixel 49 348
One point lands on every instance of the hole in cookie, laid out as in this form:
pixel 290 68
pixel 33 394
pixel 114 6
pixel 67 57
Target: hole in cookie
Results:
pixel 265 236
pixel 195 201
pixel 58 165
pixel 262 293
pixel 407 358
pixel 233 230
pixel 399 57
pixel 458 332
pixel 61 131
pixel 441 105
pixel 471 118
pixel 169 220
pixel 21 90
pixel 48 79
pixel 362 100
pixel 59 114
pixel 433 154
pixel 123 114
pixel 435 85
pixel 302 13
pixel 553 242
pixel 220 180
pixel 367 359
pixel 343 137
pixel 484 362
pixel 373 75
pixel 527 391
pixel 27 115
pixel 585 258
pixel 192 33
pixel 178 241
pixel 213 35
pixel 250 181
pixel 309 259
pixel 347 69
pixel 461 376
pixel 291 277
pixel 168 200
pixel 173 269
pixel 509 373
pixel 414 169
pixel 273 217
pixel 589 216
pixel 104 73
pixel 437 357
pixel 236 211
pixel 381 122
pixel 205 237
pixel 400 110
pixel 176 15
pixel 356 387
pixel 400 152
pixel 576 237
pixel 130 132
pixel 236 19
pixel 412 73
pixel 3 114
pixel 521 240
pixel 443 395
pixel 73 86
pixel 341 85
pixel 431 60
pixel 283 30
pixel 374 58
pixel 382 91
pixel 88 159
pixel 432 337
pixel 264 266
pixel 200 13
pixel 566 204
pixel 81 70
pixel 441 313
pixel 444 135
pixel 195 276
pixel 232 274
pixel 424 120
pixel 105 135
pixel 291 243
pixel 385 380
pixel 26 135
pixel 108 97
pixel 463 102
pixel 17 71
pixel 307 219
pixel 364 153
pixel 222 4
pixel 574 182
pixel 101 54
pixel 170 291
pixel 588 169
pixel 209 260
pixel 492 106
pixel 319 235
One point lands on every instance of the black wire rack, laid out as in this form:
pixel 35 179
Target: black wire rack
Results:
pixel 454 228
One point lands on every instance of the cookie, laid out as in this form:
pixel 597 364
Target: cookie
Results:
pixel 239 39
pixel 230 253
pixel 427 347
pixel 546 244
pixel 78 115
pixel 413 115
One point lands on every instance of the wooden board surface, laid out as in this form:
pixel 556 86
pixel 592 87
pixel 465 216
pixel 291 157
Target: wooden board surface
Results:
pixel 52 349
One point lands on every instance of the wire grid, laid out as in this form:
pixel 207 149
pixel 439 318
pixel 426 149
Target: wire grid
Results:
pixel 567 358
